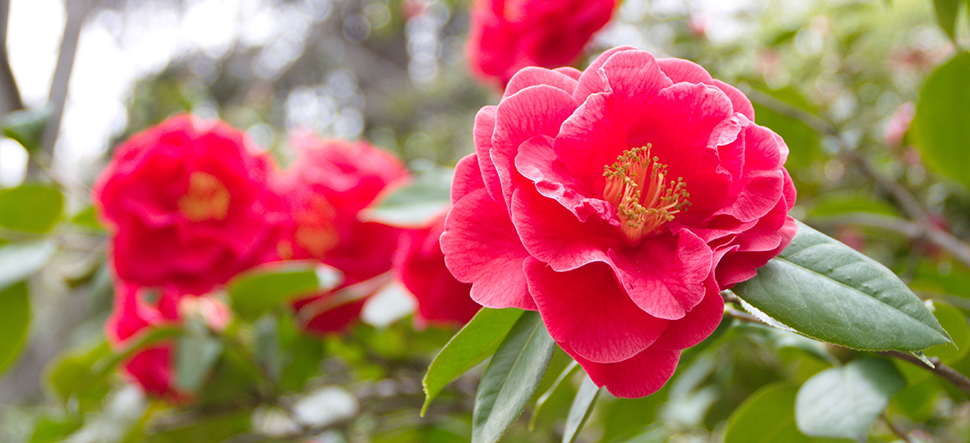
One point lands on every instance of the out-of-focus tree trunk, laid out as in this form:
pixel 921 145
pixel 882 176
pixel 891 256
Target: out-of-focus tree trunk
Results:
pixel 77 11
pixel 9 94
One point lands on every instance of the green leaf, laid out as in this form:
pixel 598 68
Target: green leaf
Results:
pixel 31 207
pixel 571 369
pixel 941 126
pixel 956 324
pixel 52 430
pixel 259 290
pixel 511 377
pixel 414 205
pixel 843 402
pixel 829 292
pixel 76 380
pixel 14 322
pixel 19 261
pixel 767 416
pixel 946 15
pixel 580 410
pixel 206 429
pixel 27 127
pixel 194 358
pixel 88 218
pixel 839 203
pixel 472 344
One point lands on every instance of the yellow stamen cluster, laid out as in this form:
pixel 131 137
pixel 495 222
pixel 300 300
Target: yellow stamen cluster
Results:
pixel 636 185
pixel 206 199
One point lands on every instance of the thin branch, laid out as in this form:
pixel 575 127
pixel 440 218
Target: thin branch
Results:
pixel 943 371
pixel 900 432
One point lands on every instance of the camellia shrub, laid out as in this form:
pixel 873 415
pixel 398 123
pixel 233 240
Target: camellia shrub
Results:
pixel 629 249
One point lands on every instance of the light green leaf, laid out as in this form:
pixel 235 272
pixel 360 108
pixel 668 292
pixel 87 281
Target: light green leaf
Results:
pixel 946 15
pixel 415 204
pixel 472 344
pixel 14 322
pixel 27 127
pixel 19 261
pixel 580 410
pixel 75 378
pixel 31 207
pixel 767 416
pixel 839 203
pixel 207 429
pixel 52 430
pixel 194 358
pixel 843 402
pixel 941 126
pixel 829 292
pixel 511 377
pixel 956 324
pixel 265 288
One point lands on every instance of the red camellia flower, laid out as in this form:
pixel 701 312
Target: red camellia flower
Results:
pixel 508 35
pixel 617 202
pixel 420 266
pixel 188 204
pixel 152 367
pixel 327 186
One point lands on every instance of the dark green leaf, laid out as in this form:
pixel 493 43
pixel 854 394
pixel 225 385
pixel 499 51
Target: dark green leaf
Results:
pixel 262 289
pixel 946 15
pixel 19 261
pixel 828 291
pixel 580 410
pixel 767 416
pixel 415 204
pixel 563 377
pixel 27 127
pixel 941 126
pixel 31 207
pixel 207 429
pixel 843 402
pixel 511 377
pixel 14 322
pixel 472 344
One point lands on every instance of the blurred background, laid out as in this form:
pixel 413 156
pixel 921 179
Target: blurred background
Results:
pixel 836 78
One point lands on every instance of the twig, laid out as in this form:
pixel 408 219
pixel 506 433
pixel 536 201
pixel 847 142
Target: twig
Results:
pixel 900 432
pixel 8 85
pixel 943 371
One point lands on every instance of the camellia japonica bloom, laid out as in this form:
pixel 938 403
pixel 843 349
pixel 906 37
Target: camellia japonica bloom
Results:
pixel 420 266
pixel 188 204
pixel 508 35
pixel 617 202
pixel 327 186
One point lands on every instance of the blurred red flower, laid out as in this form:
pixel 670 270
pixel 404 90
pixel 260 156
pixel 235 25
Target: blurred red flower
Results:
pixel 508 35
pixel 188 204
pixel 420 266
pixel 327 186
pixel 618 202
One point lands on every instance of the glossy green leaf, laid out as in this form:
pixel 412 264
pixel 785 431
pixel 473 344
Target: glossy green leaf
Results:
pixel 19 261
pixel 265 288
pixel 472 344
pixel 511 377
pixel 767 416
pixel 27 127
pixel 579 411
pixel 843 402
pixel 941 126
pixel 14 322
pixel 946 15
pixel 415 204
pixel 828 291
pixel 31 207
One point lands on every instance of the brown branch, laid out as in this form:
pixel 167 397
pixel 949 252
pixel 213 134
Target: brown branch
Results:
pixel 900 432
pixel 943 371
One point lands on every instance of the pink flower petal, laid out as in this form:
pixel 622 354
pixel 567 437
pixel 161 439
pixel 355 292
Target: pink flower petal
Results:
pixel 698 324
pixel 484 128
pixel 586 309
pixel 482 248
pixel 738 100
pixel 638 376
pixel 537 162
pixel 468 178
pixel 680 70
pixel 534 76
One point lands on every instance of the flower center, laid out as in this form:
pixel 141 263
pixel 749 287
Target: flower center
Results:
pixel 315 230
pixel 637 187
pixel 206 199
